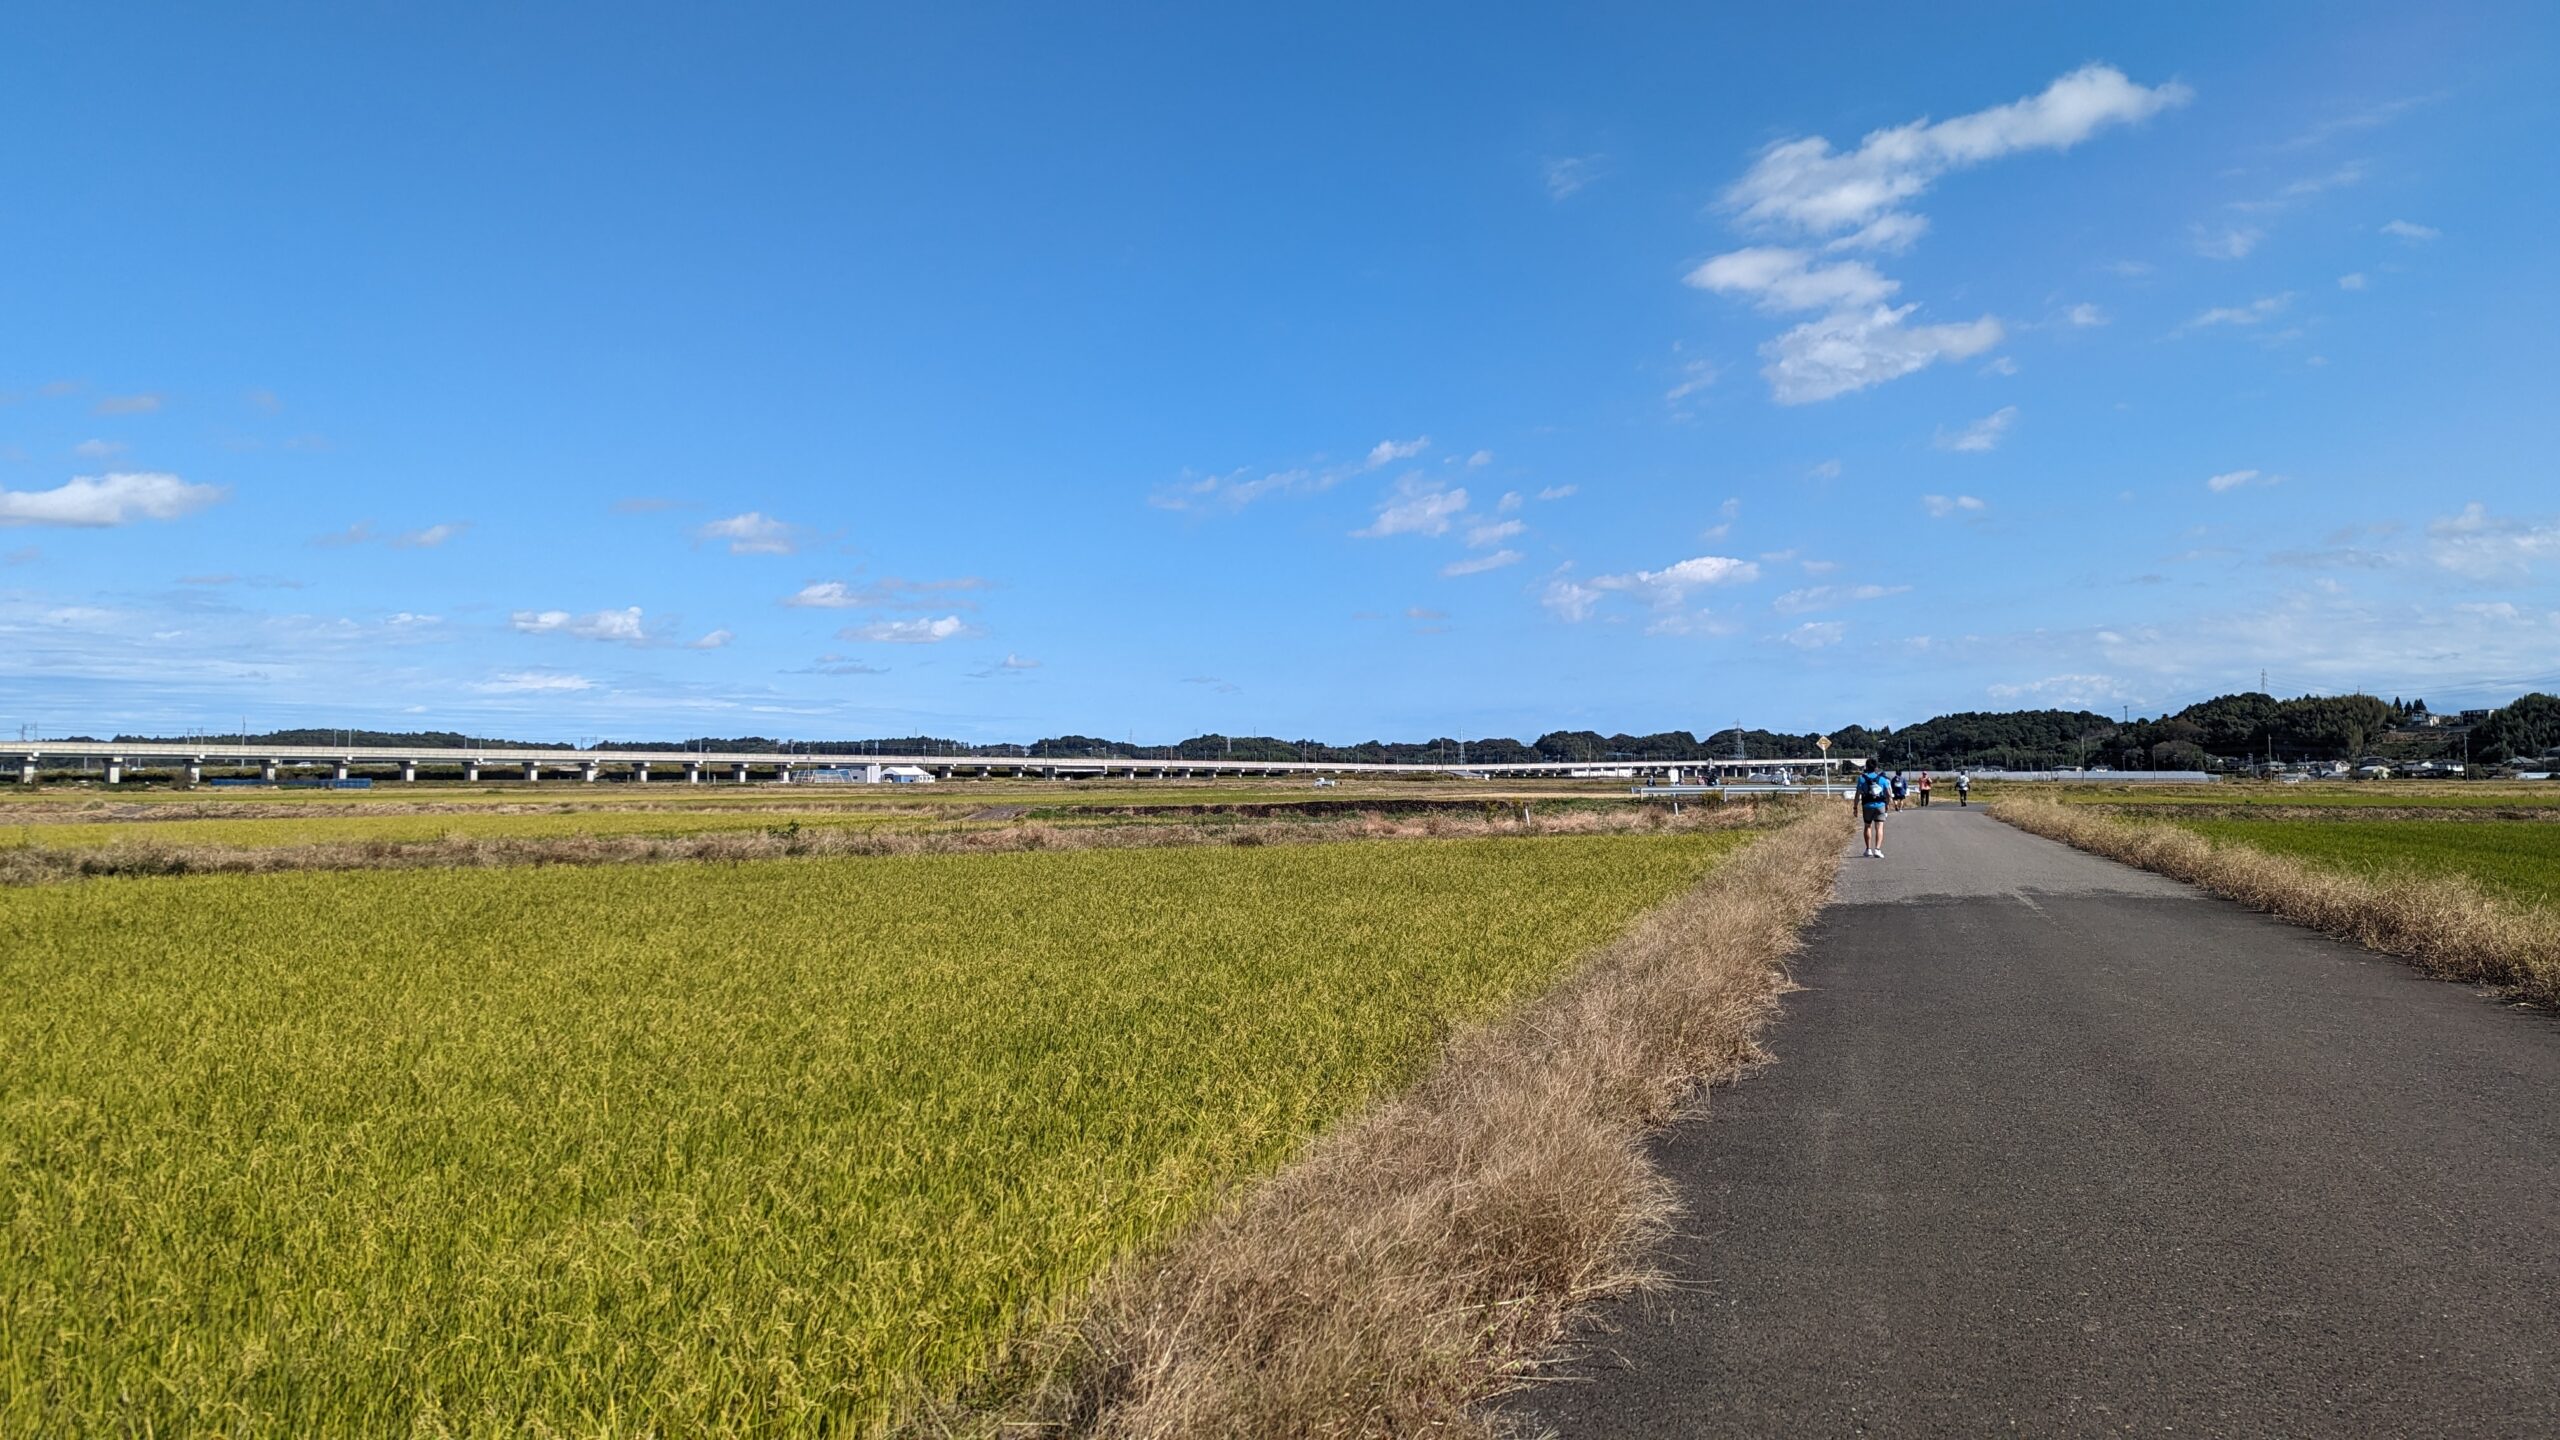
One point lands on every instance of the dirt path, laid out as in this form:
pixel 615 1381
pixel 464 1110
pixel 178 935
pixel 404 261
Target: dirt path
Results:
pixel 2054 1146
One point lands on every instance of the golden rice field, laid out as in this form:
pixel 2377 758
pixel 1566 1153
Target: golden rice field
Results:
pixel 774 1148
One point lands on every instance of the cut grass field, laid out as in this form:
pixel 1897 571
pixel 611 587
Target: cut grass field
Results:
pixel 781 1148
pixel 323 829
pixel 2378 794
pixel 2515 861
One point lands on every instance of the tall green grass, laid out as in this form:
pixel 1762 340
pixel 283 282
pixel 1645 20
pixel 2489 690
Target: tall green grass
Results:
pixel 2518 860
pixel 774 1148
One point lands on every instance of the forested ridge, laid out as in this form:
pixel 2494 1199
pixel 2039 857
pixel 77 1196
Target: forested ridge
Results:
pixel 2226 728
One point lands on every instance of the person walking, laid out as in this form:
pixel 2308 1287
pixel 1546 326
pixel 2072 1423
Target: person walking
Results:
pixel 1924 789
pixel 1964 789
pixel 1901 790
pixel 1869 796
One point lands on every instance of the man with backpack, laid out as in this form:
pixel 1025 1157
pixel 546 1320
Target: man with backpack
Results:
pixel 1901 790
pixel 1871 794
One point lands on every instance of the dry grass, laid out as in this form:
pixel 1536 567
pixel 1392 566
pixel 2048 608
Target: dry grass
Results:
pixel 2446 926
pixel 37 865
pixel 1418 1259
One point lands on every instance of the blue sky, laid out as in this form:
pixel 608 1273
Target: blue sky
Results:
pixel 654 370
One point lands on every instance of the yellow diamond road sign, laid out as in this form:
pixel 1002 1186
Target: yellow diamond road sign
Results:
pixel 1822 740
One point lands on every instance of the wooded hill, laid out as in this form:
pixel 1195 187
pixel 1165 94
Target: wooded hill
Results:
pixel 2225 728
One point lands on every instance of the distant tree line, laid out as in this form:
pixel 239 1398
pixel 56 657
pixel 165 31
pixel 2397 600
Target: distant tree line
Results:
pixel 2224 729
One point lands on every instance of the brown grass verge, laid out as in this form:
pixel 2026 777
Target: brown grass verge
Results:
pixel 1419 1258
pixel 2447 927
pixel 39 865
pixel 2189 810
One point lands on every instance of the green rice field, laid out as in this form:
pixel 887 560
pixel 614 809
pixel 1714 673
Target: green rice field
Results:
pixel 2377 794
pixel 2518 860
pixel 775 1148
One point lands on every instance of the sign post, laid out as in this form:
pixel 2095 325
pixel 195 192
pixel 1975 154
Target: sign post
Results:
pixel 1823 743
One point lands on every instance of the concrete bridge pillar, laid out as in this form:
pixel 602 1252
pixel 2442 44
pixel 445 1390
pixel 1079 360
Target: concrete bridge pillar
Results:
pixel 338 771
pixel 738 773
pixel 27 771
pixel 786 775
pixel 470 772
pixel 533 772
pixel 195 772
pixel 115 771
pixel 640 773
pixel 409 772
pixel 269 773
pixel 693 772
pixel 589 771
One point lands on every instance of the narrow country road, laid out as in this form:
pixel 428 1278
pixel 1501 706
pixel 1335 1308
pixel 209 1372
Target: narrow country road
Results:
pixel 2053 1146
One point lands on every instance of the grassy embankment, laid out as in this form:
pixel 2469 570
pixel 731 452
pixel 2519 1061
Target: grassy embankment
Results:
pixel 776 1147
pixel 2470 900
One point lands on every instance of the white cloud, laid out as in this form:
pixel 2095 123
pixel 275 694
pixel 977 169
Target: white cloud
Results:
pixel 2230 242
pixel 2076 691
pixel 1852 350
pixel 1415 508
pixel 99 449
pixel 2355 281
pixel 1480 564
pixel 1567 174
pixel 2085 315
pixel 1821 567
pixel 1570 601
pixel 1695 377
pixel 1825 597
pixel 1982 435
pixel 712 641
pixel 1779 279
pixel 1806 185
pixel 1815 634
pixel 1726 514
pixel 1509 502
pixel 1559 492
pixel 1665 588
pixel 2488 547
pixel 1827 470
pixel 432 536
pixel 918 631
pixel 146 404
pixel 533 682
pixel 2233 480
pixel 2404 230
pixel 1388 452
pixel 102 500
pixel 887 593
pixel 1942 506
pixel 2256 312
pixel 1480 459
pixel 753 533
pixel 620 626
pixel 1492 533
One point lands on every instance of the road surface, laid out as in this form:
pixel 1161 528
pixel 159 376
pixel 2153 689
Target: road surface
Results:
pixel 2054 1146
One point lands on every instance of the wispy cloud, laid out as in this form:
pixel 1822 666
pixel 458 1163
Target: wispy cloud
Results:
pixel 752 533
pixel 1477 565
pixel 1559 492
pixel 1942 506
pixel 2224 242
pixel 1830 597
pixel 533 682
pixel 1816 634
pixel 2256 312
pixel 2415 234
pixel 1415 507
pixel 1236 489
pixel 1669 586
pixel 918 631
pixel 2084 315
pixel 2234 479
pixel 1982 435
pixel 1855 200
pixel 621 627
pixel 1566 175
pixel 431 536
pixel 2492 547
pixel 2355 281
pixel 887 593
pixel 101 501
pixel 143 404
pixel 100 449
pixel 715 640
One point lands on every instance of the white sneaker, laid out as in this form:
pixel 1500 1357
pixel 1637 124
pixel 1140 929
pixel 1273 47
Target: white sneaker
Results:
pixel 1879 854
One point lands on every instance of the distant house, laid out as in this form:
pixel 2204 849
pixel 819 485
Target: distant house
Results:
pixel 2374 772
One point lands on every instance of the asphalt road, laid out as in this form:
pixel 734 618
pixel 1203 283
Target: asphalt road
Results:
pixel 2057 1147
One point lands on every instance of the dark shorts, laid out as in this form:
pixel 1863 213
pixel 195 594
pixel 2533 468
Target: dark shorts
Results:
pixel 1875 809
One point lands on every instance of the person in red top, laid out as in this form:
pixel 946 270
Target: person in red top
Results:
pixel 1924 789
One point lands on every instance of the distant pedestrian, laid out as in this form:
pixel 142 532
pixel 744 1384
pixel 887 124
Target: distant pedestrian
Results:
pixel 1901 790
pixel 1924 789
pixel 1869 796
pixel 1964 789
